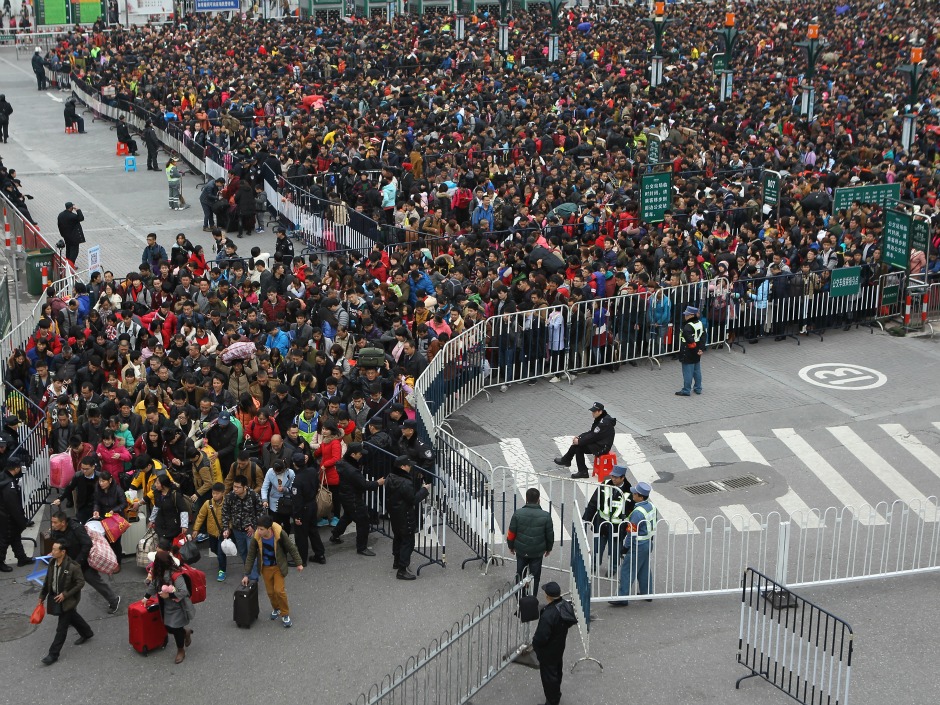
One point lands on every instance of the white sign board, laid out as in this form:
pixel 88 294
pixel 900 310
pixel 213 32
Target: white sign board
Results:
pixel 94 259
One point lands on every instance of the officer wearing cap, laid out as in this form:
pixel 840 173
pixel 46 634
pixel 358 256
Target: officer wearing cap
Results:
pixel 638 545
pixel 692 338
pixel 403 493
pixel 352 488
pixel 597 441
pixel 418 451
pixel 608 510
pixel 549 640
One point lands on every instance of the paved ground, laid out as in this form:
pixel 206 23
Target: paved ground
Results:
pixel 809 445
pixel 120 207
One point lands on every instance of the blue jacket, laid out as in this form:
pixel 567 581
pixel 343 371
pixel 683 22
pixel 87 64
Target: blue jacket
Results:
pixel 281 341
pixel 660 310
pixel 424 284
pixel 269 491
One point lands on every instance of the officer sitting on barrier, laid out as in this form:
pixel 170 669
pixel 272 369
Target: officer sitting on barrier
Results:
pixel 597 441
pixel 607 512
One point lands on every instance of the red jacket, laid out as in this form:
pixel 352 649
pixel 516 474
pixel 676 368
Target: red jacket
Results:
pixel 330 454
pixel 260 432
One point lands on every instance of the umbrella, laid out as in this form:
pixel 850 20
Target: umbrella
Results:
pixel 564 210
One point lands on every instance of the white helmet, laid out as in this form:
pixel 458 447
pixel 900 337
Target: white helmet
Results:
pixel 38 49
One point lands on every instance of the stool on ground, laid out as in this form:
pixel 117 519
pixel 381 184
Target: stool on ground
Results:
pixel 130 163
pixel 122 149
pixel 71 129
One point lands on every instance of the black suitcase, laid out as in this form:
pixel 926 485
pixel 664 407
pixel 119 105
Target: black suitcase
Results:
pixel 371 357
pixel 246 606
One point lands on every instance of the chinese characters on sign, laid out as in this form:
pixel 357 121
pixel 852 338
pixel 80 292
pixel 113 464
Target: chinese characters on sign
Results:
pixel 845 281
pixel 771 188
pixel 655 196
pixel 880 194
pixel 896 243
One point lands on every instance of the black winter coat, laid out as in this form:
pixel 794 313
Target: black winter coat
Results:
pixel 403 493
pixel 11 505
pixel 352 486
pixel 600 438
pixel 75 540
pixel 555 620
pixel 70 226
pixel 304 491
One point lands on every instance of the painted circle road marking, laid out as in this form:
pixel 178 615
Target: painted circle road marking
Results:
pixel 843 376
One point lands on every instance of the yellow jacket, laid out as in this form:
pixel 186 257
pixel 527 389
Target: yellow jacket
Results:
pixel 138 482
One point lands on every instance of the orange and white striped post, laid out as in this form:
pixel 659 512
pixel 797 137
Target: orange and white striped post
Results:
pixel 925 303
pixel 19 243
pixel 6 228
pixel 45 277
pixel 907 310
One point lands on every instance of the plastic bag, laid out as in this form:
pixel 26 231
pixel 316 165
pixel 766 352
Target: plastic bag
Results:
pixel 95 526
pixel 229 548
pixel 38 614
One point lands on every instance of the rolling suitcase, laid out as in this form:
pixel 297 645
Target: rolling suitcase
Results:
pixel 145 627
pixel 246 606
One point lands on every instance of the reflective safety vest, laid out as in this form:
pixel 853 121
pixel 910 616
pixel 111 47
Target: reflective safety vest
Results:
pixel 644 529
pixel 699 329
pixel 612 502
pixel 307 429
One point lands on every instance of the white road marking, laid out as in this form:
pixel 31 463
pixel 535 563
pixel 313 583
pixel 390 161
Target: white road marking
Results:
pixel 525 477
pixel 55 98
pixel 924 454
pixel 687 450
pixel 740 517
pixel 791 502
pixel 828 476
pixel 641 469
pixel 880 468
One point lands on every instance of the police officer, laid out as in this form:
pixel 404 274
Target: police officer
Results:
pixel 692 337
pixel 404 492
pixel 638 545
pixel 12 518
pixel 418 451
pixel 608 511
pixel 175 183
pixel 352 489
pixel 597 441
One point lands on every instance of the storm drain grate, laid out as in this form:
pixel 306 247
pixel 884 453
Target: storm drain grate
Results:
pixel 726 485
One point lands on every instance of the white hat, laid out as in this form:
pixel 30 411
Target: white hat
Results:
pixel 38 49
pixel 153 554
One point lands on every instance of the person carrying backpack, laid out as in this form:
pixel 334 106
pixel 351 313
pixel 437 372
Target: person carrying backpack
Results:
pixel 171 509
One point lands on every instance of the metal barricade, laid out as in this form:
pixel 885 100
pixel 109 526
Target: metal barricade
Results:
pixel 431 533
pixel 34 482
pixel 799 648
pixel 580 586
pixel 453 668
pixel 469 508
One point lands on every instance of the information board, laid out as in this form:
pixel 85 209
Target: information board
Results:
pixel 771 188
pixel 655 196
pixel 879 194
pixel 51 12
pixel 896 242
pixel 845 282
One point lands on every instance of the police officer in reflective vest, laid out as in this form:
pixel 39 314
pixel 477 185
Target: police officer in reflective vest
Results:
pixel 638 545
pixel 690 354
pixel 607 512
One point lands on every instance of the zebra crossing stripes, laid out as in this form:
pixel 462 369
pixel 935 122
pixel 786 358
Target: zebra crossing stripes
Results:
pixel 914 446
pixel 687 451
pixel 828 475
pixel 740 517
pixel 791 502
pixel 880 468
pixel 525 477
pixel 642 470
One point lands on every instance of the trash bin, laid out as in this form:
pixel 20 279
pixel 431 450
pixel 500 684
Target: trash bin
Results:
pixel 35 261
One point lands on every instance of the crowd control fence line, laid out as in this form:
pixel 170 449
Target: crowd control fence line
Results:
pixel 454 667
pixel 792 643
pixel 580 587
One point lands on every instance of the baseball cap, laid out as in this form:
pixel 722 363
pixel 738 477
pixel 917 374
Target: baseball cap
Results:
pixel 597 406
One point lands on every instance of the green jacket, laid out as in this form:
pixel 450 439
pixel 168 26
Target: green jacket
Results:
pixel 531 533
pixel 283 544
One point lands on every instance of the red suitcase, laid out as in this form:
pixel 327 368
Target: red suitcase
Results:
pixel 145 628
pixel 61 470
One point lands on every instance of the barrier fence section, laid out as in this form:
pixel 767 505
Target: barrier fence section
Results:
pixel 469 508
pixel 431 530
pixel 22 236
pixel 801 649
pixel 34 482
pixel 454 667
pixel 580 587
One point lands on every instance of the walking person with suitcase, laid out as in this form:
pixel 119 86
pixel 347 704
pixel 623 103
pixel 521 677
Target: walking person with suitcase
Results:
pixel 176 605
pixel 270 546
pixel 63 588
pixel 71 534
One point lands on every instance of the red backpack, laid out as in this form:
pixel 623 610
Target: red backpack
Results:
pixel 195 582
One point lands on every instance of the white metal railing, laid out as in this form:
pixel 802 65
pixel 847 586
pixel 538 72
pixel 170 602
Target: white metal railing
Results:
pixel 454 667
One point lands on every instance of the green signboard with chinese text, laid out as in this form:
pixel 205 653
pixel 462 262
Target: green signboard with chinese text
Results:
pixel 845 282
pixel 655 196
pixel 896 242
pixel 879 194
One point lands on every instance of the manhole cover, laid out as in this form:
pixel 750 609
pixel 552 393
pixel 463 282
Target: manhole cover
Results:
pixel 726 485
pixel 703 488
pixel 14 625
